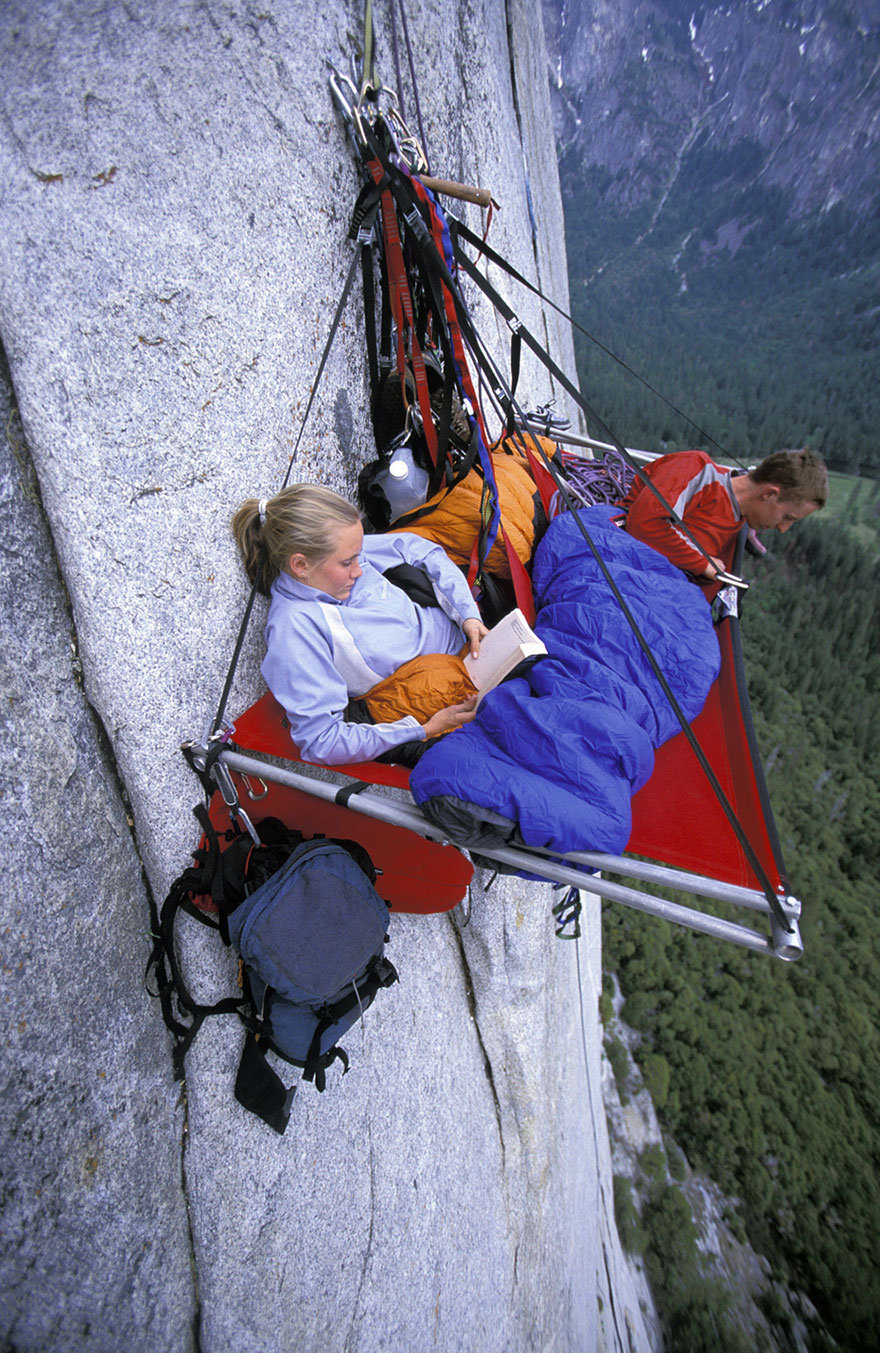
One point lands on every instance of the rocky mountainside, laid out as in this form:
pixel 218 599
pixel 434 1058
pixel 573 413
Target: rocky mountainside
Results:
pixel 721 175
pixel 774 93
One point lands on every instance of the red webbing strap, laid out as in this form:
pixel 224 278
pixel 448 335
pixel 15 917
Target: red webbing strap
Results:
pixel 450 314
pixel 543 480
pixel 519 576
pixel 404 315
pixel 522 585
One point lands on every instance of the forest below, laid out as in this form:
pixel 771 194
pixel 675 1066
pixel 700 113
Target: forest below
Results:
pixel 765 339
pixel 760 331
pixel 773 1071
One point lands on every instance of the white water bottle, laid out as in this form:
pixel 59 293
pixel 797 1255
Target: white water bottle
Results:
pixel 404 483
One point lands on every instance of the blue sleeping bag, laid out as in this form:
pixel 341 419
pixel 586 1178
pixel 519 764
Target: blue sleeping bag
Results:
pixel 558 752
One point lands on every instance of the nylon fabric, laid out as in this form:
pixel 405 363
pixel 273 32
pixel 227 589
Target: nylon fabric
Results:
pixel 701 496
pixel 312 927
pixel 454 521
pixel 421 687
pixel 561 750
pixel 346 659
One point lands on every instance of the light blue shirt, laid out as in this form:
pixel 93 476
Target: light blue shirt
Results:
pixel 321 652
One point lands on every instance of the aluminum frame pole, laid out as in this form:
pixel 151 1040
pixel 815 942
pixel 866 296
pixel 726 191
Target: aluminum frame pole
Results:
pixel 697 884
pixel 785 945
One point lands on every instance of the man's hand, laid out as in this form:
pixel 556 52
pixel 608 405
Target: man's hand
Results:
pixel 474 631
pixel 713 568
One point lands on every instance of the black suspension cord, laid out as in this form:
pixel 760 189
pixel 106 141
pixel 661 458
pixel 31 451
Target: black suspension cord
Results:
pixel 520 331
pixel 412 72
pixel 255 586
pixel 422 240
pixel 494 257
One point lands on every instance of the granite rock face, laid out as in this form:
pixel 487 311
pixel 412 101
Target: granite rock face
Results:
pixel 777 97
pixel 95 1248
pixel 175 199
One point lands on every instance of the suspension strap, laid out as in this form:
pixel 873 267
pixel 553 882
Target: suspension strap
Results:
pixel 515 323
pixel 220 716
pixel 412 73
pixel 432 245
pixel 404 312
pixel 459 229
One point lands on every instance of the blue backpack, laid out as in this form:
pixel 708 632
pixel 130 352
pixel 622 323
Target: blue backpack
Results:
pixel 311 932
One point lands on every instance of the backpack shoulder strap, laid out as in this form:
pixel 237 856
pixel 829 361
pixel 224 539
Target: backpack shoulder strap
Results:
pixel 381 973
pixel 172 991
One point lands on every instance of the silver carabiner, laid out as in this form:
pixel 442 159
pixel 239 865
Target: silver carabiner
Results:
pixel 251 793
pixel 348 107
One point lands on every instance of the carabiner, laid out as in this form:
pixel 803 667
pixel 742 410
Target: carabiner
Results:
pixel 350 110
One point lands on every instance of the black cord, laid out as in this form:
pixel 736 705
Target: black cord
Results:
pixel 501 262
pixel 255 586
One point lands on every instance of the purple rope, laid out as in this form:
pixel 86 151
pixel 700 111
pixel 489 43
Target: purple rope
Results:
pixel 599 481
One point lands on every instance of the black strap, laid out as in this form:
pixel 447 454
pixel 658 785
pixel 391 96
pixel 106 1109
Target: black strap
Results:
pixel 343 794
pixel 515 355
pixel 214 862
pixel 568 913
pixel 317 1069
pixel 369 285
pixel 230 675
pixel 444 420
pixel 365 209
pixel 259 1088
pixel 571 389
pixel 171 986
pixel 458 227
pixel 380 973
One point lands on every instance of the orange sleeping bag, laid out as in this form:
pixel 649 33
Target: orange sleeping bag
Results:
pixel 453 520
pixel 421 687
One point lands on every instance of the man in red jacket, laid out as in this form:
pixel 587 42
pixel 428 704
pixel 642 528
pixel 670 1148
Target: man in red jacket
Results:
pixel 713 503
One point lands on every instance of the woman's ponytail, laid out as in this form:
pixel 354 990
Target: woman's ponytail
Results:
pixel 248 532
pixel 301 519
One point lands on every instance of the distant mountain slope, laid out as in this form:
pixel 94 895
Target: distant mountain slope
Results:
pixel 721 173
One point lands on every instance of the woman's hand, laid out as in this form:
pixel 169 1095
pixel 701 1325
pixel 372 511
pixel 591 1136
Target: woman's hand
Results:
pixel 453 716
pixel 474 631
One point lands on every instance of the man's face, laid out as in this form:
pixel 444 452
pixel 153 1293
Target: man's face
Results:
pixel 773 513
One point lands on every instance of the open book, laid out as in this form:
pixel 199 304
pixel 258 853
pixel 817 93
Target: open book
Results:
pixel 503 648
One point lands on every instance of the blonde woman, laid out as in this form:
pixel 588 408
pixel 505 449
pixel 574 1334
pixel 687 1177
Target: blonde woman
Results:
pixel 340 631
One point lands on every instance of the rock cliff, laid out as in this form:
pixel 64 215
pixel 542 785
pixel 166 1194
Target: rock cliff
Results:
pixel 773 94
pixel 175 201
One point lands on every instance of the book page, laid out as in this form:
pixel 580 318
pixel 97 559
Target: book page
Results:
pixel 511 640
